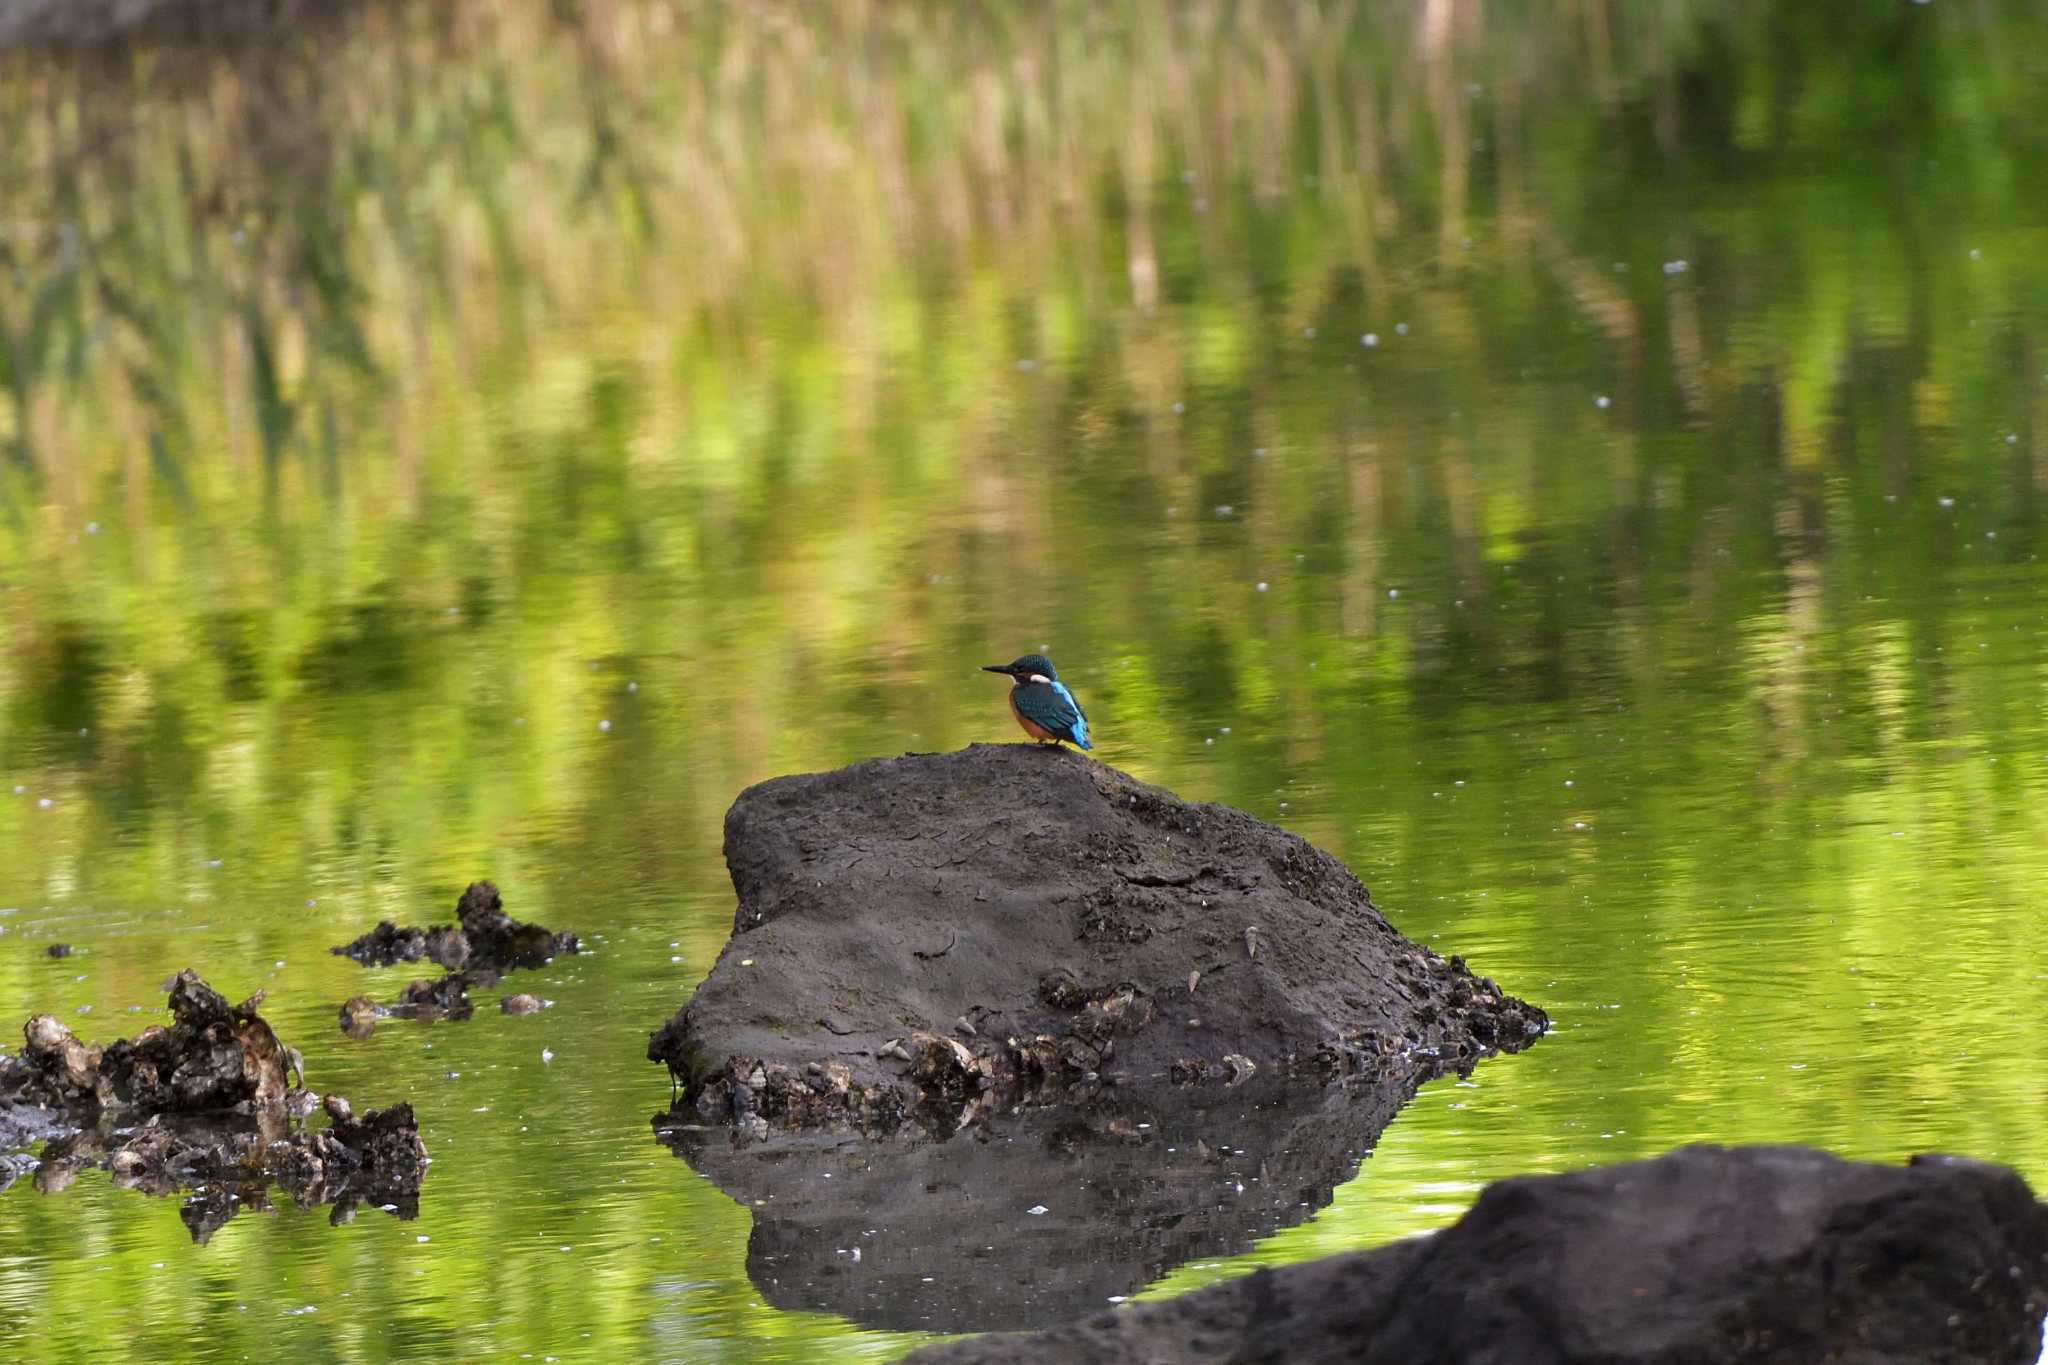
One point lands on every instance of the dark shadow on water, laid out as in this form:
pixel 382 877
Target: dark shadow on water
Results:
pixel 1039 1215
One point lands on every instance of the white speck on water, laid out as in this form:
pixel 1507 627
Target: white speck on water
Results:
pixel 746 962
pixel 1676 267
pixel 1224 730
pixel 604 725
pixel 1369 340
pixel 85 1009
pixel 1400 329
pixel 1393 593
pixel 83 732
pixel 311 903
pixel 1975 254
pixel 1578 824
pixel 1037 1209
pixel 1119 1298
pixel 213 862
pixel 1601 401
pixel 632 687
pixel 92 528
pixel 422 1239
pixel 1262 585
pixel 1944 502
pixel 279 963
pixel 1459 783
pixel 674 960
pixel 45 803
pixel 1026 365
pixel 547 1055
pixel 1180 407
pixel 1567 781
pixel 1309 332
pixel 566 1248
pixel 1224 511
pixel 1209 740
pixel 519 720
pixel 19 789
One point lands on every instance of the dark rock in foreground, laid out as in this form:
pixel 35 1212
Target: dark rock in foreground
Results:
pixel 940 935
pixel 484 938
pixel 1037 1215
pixel 1762 1254
pixel 206 1106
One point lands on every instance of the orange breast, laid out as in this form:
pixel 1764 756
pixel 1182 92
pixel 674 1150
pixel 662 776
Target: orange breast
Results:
pixel 1031 728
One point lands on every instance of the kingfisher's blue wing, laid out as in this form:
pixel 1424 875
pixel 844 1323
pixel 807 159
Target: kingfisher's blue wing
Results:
pixel 1050 705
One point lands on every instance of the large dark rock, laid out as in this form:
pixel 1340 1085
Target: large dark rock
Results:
pixel 1763 1254
pixel 1037 1215
pixel 936 936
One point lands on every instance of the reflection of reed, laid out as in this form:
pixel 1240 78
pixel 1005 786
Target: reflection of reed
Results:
pixel 479 171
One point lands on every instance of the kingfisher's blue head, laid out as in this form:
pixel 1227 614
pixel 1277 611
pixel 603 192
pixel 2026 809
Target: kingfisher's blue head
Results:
pixel 1026 668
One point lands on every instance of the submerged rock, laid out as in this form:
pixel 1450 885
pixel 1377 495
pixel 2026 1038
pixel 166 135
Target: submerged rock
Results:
pixel 485 938
pixel 940 935
pixel 477 951
pixel 207 1105
pixel 1772 1255
pixel 1037 1215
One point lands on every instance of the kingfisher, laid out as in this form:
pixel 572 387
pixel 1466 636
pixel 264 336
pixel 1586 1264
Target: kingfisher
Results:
pixel 1041 702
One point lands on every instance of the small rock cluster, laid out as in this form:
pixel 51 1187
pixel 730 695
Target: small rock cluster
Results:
pixel 476 952
pixel 210 1105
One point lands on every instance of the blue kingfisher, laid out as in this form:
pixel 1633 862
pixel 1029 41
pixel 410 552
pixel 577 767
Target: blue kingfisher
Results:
pixel 1041 702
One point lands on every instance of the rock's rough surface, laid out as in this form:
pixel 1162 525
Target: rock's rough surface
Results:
pixel 484 938
pixel 208 1106
pixel 939 934
pixel 477 950
pixel 1770 1255
pixel 214 1056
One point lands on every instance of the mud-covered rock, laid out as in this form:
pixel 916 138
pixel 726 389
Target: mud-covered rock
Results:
pixel 918 933
pixel 214 1056
pixel 1771 1255
pixel 442 997
pixel 484 937
pixel 476 951
pixel 206 1106
pixel 1035 1215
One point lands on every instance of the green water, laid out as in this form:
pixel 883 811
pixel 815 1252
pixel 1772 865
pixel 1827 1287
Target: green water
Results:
pixel 479 440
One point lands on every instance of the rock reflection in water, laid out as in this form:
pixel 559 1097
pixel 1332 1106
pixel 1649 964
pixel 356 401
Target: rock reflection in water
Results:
pixel 1032 1217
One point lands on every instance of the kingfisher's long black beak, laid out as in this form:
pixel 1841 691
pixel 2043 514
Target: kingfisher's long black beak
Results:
pixel 1003 669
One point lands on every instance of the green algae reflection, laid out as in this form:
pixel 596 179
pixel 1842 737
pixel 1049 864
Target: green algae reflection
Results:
pixel 1585 465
